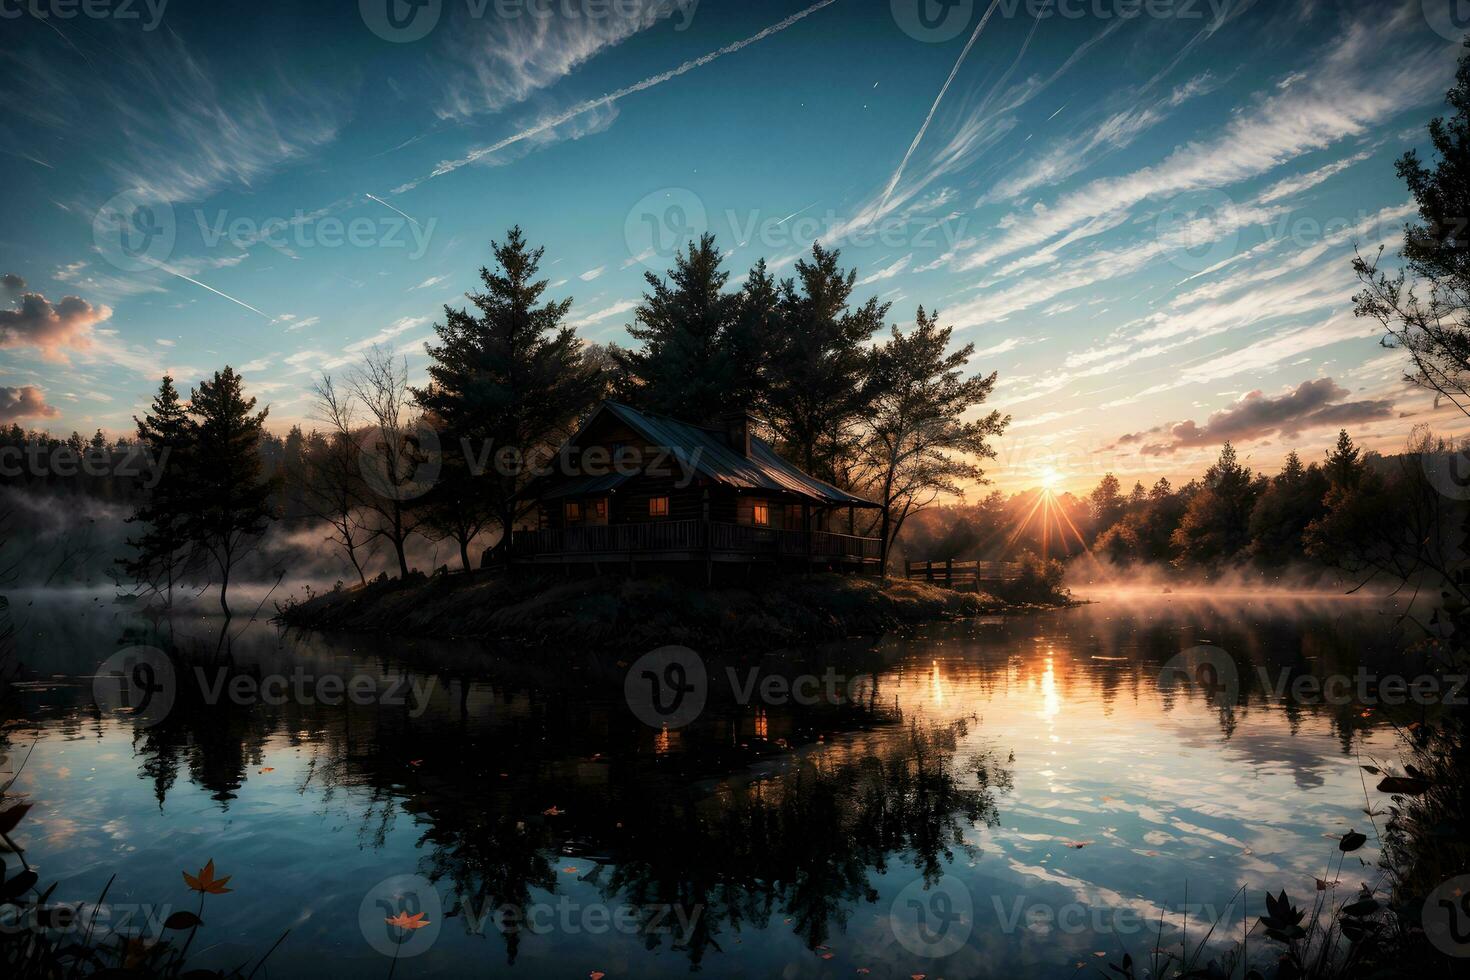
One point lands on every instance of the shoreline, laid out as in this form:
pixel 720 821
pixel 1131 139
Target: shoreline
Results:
pixel 614 612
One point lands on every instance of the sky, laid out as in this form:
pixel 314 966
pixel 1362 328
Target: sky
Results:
pixel 1141 214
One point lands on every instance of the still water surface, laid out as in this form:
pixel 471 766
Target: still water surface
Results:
pixel 928 823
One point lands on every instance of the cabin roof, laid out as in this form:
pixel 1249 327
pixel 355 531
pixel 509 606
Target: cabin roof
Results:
pixel 717 461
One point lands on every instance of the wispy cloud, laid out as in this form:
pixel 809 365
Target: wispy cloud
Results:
pixel 491 63
pixel 550 122
pixel 1352 85
pixel 606 313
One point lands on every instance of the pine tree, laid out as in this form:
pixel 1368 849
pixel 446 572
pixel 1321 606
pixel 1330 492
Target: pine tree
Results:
pixel 1343 465
pixel 817 379
pixel 1292 471
pixel 1106 502
pixel 684 367
pixel 165 438
pixel 512 378
pixel 230 497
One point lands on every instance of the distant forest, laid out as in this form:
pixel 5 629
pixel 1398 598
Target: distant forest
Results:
pixel 1359 512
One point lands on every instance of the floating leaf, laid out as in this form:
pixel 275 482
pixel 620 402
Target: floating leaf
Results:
pixel 10 818
pixel 405 921
pixel 18 886
pixel 1351 841
pixel 1403 785
pixel 182 920
pixel 206 883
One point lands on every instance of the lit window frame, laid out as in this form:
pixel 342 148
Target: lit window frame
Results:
pixel 571 512
pixel 658 506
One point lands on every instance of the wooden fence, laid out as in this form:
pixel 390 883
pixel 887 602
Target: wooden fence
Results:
pixel 965 575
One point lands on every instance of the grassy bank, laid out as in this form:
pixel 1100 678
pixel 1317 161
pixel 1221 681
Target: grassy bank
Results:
pixel 617 612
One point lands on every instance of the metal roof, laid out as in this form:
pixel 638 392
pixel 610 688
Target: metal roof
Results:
pixel 582 485
pixel 762 470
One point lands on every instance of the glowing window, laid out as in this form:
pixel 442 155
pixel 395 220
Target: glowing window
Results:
pixel 573 511
pixel 760 513
pixel 599 509
pixel 658 506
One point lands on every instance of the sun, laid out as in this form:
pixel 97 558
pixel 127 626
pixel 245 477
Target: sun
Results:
pixel 1050 479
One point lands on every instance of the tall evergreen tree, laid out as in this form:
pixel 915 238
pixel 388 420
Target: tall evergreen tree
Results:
pixel 1343 464
pixel 817 380
pixel 231 496
pixel 165 436
pixel 511 376
pixel 1106 502
pixel 1216 523
pixel 684 367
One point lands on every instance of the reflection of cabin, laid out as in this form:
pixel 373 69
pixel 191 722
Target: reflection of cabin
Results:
pixel 634 487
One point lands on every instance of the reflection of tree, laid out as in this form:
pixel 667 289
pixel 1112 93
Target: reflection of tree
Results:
pixel 803 845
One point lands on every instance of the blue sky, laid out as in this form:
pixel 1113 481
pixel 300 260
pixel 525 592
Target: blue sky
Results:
pixel 1142 215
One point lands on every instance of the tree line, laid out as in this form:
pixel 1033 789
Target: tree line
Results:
pixel 892 418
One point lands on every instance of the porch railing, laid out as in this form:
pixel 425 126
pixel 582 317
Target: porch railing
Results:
pixel 714 537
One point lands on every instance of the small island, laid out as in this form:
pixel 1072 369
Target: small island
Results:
pixel 657 530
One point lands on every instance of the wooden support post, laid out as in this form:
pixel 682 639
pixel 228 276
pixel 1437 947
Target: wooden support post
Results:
pixel 949 573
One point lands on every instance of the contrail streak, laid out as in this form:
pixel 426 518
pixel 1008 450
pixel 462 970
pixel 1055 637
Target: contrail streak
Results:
pixel 647 83
pixel 795 213
pixel 395 210
pixel 204 285
pixel 893 182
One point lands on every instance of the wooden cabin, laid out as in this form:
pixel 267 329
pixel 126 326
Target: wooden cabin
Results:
pixel 633 487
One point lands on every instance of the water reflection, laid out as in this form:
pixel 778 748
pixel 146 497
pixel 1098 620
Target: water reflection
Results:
pixel 1038 762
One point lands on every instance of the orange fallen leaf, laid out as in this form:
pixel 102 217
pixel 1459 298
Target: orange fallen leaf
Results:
pixel 415 762
pixel 596 975
pixel 206 883
pixel 405 921
pixel 570 869
pixel 551 811
pixel 268 769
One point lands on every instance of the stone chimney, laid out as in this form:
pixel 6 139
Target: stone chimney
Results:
pixel 737 426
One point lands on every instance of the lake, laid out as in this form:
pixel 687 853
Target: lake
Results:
pixel 1021 795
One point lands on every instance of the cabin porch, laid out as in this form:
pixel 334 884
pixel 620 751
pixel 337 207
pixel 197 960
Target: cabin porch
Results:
pixel 694 540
